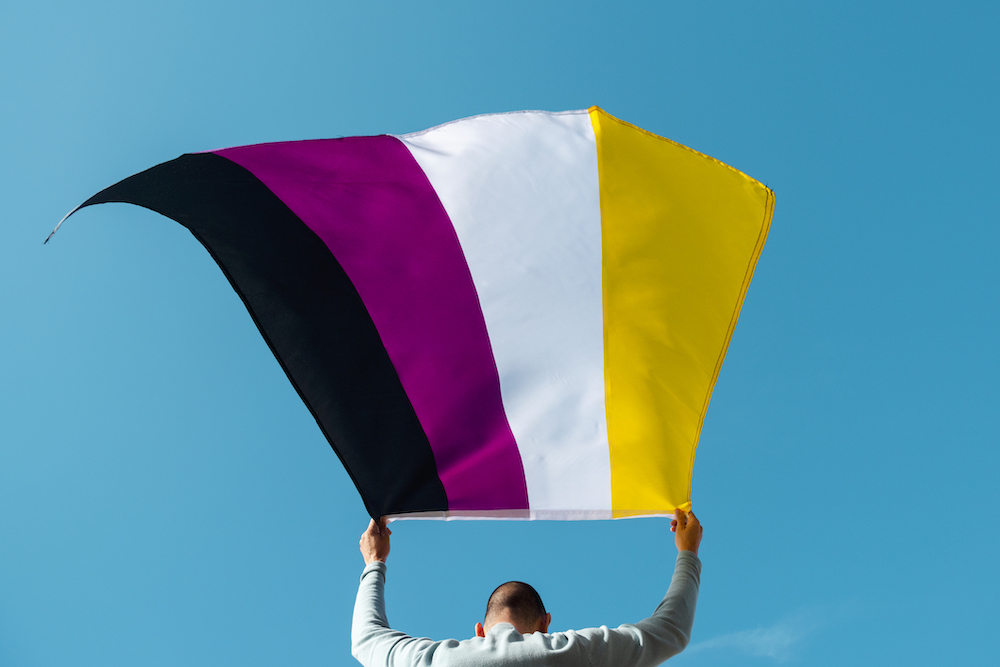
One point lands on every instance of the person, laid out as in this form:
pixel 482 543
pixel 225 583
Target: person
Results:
pixel 515 629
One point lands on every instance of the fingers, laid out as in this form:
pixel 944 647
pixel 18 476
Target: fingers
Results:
pixel 693 523
pixel 377 528
pixel 685 521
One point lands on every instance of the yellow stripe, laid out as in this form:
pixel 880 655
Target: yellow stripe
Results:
pixel 681 235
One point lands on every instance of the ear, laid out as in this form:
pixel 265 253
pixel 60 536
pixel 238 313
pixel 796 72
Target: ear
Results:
pixel 479 630
pixel 545 623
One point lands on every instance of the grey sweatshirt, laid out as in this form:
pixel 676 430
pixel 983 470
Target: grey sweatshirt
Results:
pixel 646 643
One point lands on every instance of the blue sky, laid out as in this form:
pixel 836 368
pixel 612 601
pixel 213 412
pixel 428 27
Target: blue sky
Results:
pixel 165 498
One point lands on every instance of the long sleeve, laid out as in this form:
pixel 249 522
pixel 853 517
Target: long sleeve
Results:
pixel 644 644
pixel 369 620
pixel 670 625
pixel 371 636
pixel 653 640
pixel 373 642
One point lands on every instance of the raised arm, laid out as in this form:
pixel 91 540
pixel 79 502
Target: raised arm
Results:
pixel 373 642
pixel 370 631
pixel 653 640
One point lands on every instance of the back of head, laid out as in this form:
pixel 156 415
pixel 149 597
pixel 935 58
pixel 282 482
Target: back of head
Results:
pixel 517 602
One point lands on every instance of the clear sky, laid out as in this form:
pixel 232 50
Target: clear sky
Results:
pixel 166 499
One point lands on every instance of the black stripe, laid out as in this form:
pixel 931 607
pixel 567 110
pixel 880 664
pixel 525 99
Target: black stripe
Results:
pixel 310 315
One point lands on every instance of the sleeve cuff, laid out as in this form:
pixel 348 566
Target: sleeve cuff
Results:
pixel 374 566
pixel 689 557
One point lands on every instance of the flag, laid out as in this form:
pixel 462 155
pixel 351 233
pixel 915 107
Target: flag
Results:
pixel 516 315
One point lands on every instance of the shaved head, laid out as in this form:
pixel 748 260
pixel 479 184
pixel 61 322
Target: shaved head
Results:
pixel 516 601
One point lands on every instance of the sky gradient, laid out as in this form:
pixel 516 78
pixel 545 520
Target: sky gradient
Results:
pixel 165 497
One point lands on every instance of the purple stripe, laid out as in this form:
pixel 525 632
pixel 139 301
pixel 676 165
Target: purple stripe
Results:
pixel 372 205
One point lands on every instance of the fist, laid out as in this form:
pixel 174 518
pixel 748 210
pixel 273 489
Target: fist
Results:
pixel 687 531
pixel 374 542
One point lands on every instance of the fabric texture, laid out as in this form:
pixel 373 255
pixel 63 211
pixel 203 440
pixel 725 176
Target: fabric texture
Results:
pixel 644 644
pixel 517 315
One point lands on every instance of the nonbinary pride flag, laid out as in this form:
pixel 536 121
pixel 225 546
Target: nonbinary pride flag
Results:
pixel 514 315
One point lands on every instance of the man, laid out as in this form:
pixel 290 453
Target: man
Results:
pixel 514 631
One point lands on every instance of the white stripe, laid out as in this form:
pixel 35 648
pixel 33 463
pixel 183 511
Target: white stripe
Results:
pixel 522 191
pixel 528 515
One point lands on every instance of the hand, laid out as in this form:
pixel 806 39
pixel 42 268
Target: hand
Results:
pixel 688 530
pixel 375 541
